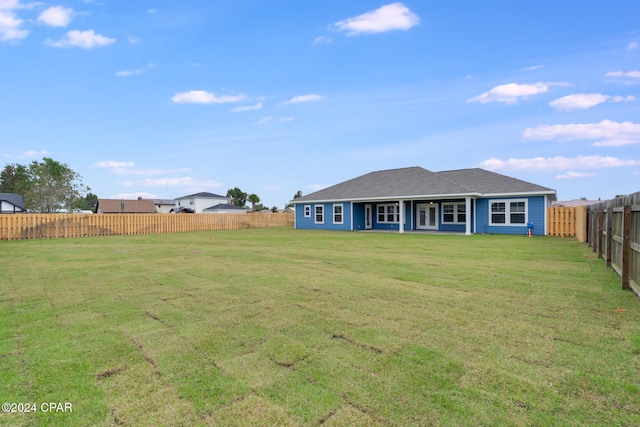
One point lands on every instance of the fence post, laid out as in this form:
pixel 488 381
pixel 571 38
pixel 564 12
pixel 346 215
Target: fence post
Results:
pixel 609 235
pixel 626 247
pixel 600 219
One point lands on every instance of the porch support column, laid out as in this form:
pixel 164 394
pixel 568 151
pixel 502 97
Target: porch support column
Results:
pixel 467 202
pixel 401 225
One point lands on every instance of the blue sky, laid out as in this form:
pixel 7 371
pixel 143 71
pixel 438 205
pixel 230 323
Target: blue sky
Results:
pixel 168 98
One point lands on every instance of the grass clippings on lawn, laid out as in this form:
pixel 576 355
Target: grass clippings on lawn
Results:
pixel 293 327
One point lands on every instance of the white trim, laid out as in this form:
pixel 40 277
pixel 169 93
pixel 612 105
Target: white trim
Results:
pixel 370 218
pixel 467 203
pixel 401 208
pixel 546 202
pixel 507 212
pixel 395 213
pixel 429 197
pixel 304 211
pixel 341 213
pixel 351 216
pixel 315 213
pixel 436 216
pixel 455 213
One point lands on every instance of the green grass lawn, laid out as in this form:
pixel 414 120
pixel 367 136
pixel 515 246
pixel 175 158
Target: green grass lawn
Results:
pixel 293 327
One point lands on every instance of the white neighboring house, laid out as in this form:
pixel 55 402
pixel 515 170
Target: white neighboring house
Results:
pixel 164 205
pixel 200 201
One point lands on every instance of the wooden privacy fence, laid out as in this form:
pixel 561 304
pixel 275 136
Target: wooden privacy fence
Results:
pixel 613 231
pixel 53 226
pixel 567 222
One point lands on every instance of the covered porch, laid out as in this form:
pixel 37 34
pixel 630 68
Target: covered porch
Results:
pixel 453 215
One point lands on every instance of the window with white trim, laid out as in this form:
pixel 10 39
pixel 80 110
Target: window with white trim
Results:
pixel 337 214
pixel 454 213
pixel 388 214
pixel 508 212
pixel 307 211
pixel 319 214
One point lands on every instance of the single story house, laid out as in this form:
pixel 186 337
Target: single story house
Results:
pixel 225 208
pixel 11 203
pixel 200 201
pixel 117 206
pixel 416 199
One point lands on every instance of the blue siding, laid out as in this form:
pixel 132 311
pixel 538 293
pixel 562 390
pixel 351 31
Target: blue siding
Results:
pixel 328 224
pixel 536 214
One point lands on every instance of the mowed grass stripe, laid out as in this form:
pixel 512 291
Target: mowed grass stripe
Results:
pixel 292 327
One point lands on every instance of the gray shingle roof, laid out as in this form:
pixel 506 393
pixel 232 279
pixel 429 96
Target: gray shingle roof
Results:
pixel 203 195
pixel 224 207
pixel 14 199
pixel 419 182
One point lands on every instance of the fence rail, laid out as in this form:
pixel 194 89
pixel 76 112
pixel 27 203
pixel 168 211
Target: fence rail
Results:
pixel 53 226
pixel 613 231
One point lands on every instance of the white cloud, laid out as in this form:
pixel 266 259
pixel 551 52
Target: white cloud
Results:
pixel 113 164
pixel 628 77
pixel 28 154
pixel 322 40
pixel 572 175
pixel 271 119
pixel 633 46
pixel 511 93
pixel 204 97
pixel 152 11
pixel 304 98
pixel 134 196
pixel 533 68
pixel 244 108
pixel 128 168
pixel 136 72
pixel 609 133
pixel 316 187
pixel 557 163
pixel 11 26
pixel 394 16
pixel 582 101
pixel 84 39
pixel 186 181
pixel 56 16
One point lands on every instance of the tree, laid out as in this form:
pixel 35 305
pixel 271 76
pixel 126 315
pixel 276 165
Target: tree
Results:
pixel 239 197
pixel 253 199
pixel 45 186
pixel 14 178
pixel 274 209
pixel 87 202
pixel 295 196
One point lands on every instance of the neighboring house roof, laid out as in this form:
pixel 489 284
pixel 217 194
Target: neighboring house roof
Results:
pixel 415 182
pixel 15 199
pixel 224 207
pixel 162 201
pixel 575 203
pixel 130 206
pixel 203 195
pixel 182 209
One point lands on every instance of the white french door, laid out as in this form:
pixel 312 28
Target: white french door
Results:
pixel 427 216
